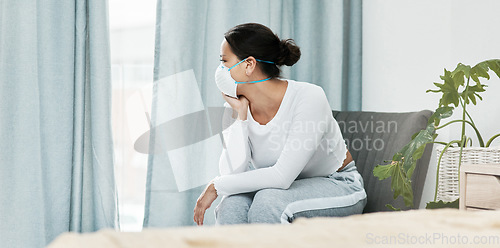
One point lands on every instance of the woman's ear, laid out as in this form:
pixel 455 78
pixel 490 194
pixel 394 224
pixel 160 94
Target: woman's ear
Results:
pixel 251 63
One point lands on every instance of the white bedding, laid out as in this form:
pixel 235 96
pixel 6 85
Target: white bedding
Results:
pixel 414 228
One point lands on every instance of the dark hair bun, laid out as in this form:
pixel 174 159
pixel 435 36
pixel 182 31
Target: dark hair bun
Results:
pixel 289 53
pixel 257 40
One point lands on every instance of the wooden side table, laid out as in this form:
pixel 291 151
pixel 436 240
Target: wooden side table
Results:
pixel 479 186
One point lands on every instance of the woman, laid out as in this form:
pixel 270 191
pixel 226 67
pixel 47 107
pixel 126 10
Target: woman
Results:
pixel 286 129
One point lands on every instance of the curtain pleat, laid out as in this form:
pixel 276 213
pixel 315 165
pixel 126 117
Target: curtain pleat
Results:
pixel 56 150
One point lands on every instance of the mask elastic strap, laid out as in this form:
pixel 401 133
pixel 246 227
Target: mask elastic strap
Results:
pixel 258 81
pixel 236 64
pixel 260 60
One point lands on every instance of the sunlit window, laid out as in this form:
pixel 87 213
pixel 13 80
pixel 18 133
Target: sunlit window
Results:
pixel 132 34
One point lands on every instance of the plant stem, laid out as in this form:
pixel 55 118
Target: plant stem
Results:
pixel 463 123
pixel 491 140
pixel 467 112
pixel 439 163
pixel 440 142
pixel 467 140
pixel 464 140
pixel 479 137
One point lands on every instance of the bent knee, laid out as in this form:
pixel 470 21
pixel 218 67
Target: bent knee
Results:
pixel 266 207
pixel 233 203
pixel 232 210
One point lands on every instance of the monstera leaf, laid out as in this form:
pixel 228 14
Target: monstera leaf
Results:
pixel 457 79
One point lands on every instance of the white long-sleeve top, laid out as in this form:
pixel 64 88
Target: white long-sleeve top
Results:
pixel 302 140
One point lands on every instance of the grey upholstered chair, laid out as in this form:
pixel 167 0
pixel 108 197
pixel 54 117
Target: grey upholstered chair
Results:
pixel 374 137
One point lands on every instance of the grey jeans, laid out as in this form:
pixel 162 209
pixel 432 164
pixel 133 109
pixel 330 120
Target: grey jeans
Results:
pixel 339 194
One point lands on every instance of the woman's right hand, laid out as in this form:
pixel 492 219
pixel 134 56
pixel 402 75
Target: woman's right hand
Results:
pixel 240 105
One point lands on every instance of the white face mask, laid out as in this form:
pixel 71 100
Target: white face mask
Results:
pixel 226 83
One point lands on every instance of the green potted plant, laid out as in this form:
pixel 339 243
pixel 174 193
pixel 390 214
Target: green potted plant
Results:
pixel 458 91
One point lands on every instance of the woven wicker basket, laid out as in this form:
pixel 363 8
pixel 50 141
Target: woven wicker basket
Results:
pixel 448 184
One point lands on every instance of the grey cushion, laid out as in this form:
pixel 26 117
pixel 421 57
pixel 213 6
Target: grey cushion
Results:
pixel 374 137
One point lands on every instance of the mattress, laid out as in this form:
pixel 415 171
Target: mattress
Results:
pixel 412 228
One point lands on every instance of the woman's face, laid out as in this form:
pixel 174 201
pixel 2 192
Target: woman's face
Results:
pixel 229 59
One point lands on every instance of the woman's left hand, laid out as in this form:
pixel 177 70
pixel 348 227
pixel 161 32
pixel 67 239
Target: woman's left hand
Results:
pixel 204 202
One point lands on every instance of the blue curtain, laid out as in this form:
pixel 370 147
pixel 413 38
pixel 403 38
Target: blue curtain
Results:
pixel 185 141
pixel 56 151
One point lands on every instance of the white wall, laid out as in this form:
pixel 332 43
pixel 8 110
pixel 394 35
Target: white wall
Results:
pixel 406 46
